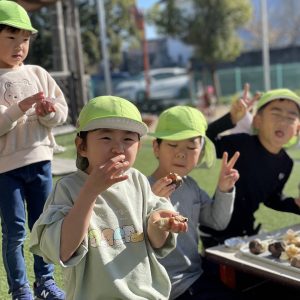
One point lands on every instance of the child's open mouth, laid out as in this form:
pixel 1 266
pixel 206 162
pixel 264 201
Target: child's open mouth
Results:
pixel 279 133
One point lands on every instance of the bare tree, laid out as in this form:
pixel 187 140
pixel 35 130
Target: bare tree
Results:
pixel 284 25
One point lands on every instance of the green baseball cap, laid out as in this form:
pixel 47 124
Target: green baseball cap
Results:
pixel 14 15
pixel 111 112
pixel 185 122
pixel 277 94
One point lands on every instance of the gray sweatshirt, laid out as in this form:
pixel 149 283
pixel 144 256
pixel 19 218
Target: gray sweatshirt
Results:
pixel 184 264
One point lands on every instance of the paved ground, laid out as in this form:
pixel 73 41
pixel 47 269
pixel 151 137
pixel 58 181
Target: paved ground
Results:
pixel 63 166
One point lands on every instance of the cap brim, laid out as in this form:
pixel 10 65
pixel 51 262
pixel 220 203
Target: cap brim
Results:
pixel 116 123
pixel 177 136
pixel 276 97
pixel 19 26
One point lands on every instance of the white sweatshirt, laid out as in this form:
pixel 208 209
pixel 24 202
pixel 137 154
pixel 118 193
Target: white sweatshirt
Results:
pixel 26 138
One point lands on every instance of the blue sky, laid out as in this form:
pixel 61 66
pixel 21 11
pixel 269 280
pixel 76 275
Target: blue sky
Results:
pixel 143 5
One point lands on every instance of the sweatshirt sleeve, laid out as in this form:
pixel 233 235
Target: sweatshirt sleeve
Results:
pixel 218 126
pixel 46 233
pixel 159 203
pixel 9 117
pixel 217 213
pixel 61 108
pixel 281 203
pixel 278 201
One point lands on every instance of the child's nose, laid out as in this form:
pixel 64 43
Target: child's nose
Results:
pixel 180 155
pixel 118 148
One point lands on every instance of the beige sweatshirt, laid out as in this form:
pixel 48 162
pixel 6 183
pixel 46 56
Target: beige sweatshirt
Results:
pixel 26 138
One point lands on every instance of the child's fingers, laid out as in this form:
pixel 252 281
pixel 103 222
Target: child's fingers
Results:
pixel 163 187
pixel 233 160
pixel 233 176
pixel 117 170
pixel 224 160
pixel 254 99
pixel 115 160
pixel 164 181
pixel 38 96
pixel 242 105
pixel 162 218
pixel 165 191
pixel 297 201
pixel 49 107
pixel 250 102
pixel 114 165
pixel 246 91
pixel 178 226
pixel 229 181
pixel 111 172
pixel 40 109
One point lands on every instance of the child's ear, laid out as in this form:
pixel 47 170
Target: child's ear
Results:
pixel 256 121
pixel 298 129
pixel 140 145
pixel 202 154
pixel 155 147
pixel 80 146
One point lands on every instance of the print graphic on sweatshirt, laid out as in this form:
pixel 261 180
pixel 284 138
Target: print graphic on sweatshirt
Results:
pixel 114 237
pixel 15 91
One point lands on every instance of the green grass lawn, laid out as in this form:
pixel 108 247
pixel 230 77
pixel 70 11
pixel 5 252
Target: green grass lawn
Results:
pixel 207 179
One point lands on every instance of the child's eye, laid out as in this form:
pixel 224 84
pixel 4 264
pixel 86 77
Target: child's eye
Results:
pixel 291 119
pixel 191 148
pixel 275 114
pixel 172 145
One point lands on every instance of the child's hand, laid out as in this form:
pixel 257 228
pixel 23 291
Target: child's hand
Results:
pixel 297 201
pixel 165 220
pixel 28 102
pixel 228 175
pixel 240 107
pixel 163 187
pixel 102 177
pixel 44 107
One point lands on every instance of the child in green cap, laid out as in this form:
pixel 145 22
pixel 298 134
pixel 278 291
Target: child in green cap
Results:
pixel 31 104
pixel 264 165
pixel 180 145
pixel 102 223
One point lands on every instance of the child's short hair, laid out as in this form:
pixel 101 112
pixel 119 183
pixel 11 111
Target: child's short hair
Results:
pixel 108 112
pixel 185 122
pixel 277 94
pixel 14 15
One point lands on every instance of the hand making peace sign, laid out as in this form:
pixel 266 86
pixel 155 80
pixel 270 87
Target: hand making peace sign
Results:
pixel 228 175
pixel 240 107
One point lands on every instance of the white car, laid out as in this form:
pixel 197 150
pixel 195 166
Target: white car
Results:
pixel 165 83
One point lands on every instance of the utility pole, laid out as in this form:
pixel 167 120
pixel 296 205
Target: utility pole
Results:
pixel 103 39
pixel 145 56
pixel 265 45
pixel 59 47
pixel 140 23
